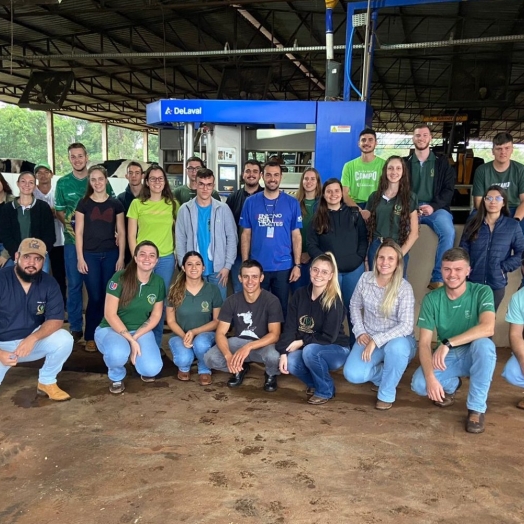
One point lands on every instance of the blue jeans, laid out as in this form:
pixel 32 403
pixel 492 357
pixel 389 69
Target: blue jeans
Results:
pixel 386 367
pixel 476 361
pixel 373 248
pixel 100 269
pixel 441 222
pixel 213 278
pixel 235 272
pixel 348 283
pixel 74 288
pixel 304 279
pixel 513 372
pixel 278 283
pixel 165 269
pixel 313 363
pixel 268 356
pixel 183 357
pixel 116 351
pixel 55 348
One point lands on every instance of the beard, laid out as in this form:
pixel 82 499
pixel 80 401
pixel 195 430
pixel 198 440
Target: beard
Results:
pixel 27 277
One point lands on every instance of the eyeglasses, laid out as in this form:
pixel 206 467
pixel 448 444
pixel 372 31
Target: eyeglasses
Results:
pixel 492 198
pixel 191 168
pixel 156 179
pixel 205 186
pixel 323 272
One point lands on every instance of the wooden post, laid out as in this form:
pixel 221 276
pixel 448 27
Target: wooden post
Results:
pixel 105 145
pixel 50 139
pixel 145 145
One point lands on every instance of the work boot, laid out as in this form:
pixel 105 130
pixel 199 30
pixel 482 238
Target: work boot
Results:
pixel 475 422
pixel 52 391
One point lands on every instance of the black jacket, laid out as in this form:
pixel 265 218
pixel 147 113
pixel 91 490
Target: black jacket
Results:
pixel 125 199
pixel 443 182
pixel 347 239
pixel 307 321
pixel 42 226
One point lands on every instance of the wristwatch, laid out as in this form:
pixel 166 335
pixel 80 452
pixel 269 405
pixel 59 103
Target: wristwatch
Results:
pixel 446 342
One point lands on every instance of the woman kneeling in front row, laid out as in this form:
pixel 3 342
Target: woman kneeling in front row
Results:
pixel 133 307
pixel 382 313
pixel 313 342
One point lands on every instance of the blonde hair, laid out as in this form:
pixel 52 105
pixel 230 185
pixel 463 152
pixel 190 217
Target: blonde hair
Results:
pixel 391 294
pixel 332 291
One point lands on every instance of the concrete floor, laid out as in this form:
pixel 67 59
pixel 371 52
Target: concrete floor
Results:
pixel 173 452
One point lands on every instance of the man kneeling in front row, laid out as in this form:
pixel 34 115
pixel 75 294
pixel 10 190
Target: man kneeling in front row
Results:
pixel 31 315
pixel 463 314
pixel 256 316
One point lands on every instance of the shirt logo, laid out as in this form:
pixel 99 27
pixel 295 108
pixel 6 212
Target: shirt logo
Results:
pixel 205 307
pixel 40 308
pixel 151 298
pixel 397 210
pixel 113 285
pixel 306 324
pixel 270 220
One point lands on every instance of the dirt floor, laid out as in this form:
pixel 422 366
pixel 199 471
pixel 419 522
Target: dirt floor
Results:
pixel 174 452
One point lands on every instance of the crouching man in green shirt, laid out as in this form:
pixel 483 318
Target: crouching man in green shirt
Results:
pixel 463 314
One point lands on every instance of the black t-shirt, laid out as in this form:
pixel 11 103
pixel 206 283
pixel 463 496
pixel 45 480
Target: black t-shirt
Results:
pixel 21 313
pixel 100 223
pixel 251 320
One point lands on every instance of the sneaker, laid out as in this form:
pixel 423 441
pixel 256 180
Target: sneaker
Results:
pixel 52 391
pixel 117 387
pixel 383 406
pixel 475 422
pixel 147 379
pixel 91 346
pixel 435 285
pixel 310 392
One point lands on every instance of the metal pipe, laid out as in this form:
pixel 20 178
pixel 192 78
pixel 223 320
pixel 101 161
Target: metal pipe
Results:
pixel 272 50
pixel 365 64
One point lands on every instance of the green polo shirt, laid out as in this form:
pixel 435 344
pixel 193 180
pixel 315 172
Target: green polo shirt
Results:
pixel 453 317
pixel 197 310
pixel 422 177
pixel 306 220
pixel 69 191
pixel 140 308
pixel 24 218
pixel 388 215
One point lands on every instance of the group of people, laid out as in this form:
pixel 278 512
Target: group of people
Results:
pixel 312 246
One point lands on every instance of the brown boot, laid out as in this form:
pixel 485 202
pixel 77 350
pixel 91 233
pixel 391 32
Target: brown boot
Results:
pixel 475 422
pixel 53 392
pixel 205 379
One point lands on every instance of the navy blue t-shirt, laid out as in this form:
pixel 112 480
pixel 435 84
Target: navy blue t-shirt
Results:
pixel 21 313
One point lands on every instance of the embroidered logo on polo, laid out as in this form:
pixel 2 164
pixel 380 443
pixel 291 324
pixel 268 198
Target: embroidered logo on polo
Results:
pixel 151 298
pixel 205 307
pixel 113 285
pixel 397 210
pixel 40 306
pixel 306 324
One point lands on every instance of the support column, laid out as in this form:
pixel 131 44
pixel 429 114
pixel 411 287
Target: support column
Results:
pixel 145 145
pixel 105 145
pixel 50 139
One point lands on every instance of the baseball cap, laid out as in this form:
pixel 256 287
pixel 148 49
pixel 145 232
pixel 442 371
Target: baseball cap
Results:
pixel 32 246
pixel 42 164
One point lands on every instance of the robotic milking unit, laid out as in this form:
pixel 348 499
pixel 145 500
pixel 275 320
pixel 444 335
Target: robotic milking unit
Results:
pixel 226 133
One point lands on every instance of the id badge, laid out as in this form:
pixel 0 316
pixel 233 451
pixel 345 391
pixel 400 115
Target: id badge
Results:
pixel 270 233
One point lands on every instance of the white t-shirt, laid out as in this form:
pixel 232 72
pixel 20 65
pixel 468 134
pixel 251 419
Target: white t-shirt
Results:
pixel 50 199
